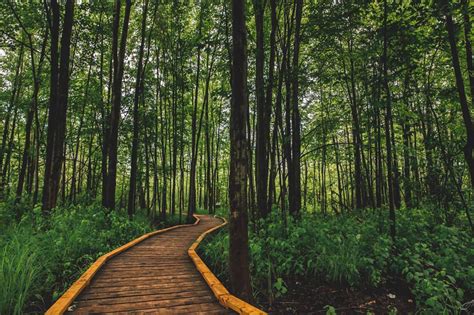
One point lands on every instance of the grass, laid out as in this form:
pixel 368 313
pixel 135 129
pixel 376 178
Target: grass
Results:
pixel 41 257
pixel 20 271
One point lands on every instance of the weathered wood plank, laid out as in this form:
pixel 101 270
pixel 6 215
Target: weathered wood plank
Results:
pixel 128 306
pixel 145 297
pixel 143 290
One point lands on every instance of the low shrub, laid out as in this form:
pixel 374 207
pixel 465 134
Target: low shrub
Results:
pixel 355 250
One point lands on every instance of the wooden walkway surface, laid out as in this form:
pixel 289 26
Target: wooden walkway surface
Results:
pixel 154 276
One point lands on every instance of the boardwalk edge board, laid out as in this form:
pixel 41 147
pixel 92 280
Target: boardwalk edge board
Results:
pixel 62 304
pixel 222 294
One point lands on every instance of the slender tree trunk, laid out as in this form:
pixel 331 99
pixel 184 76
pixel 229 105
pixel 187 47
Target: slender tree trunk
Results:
pixel 295 184
pixel 468 46
pixel 261 163
pixel 8 154
pixel 287 139
pixel 360 195
pixel 27 157
pixel 73 193
pixel 208 195
pixel 388 120
pixel 118 58
pixel 16 88
pixel 136 123
pixel 466 114
pixel 407 167
pixel 192 176
pixel 58 103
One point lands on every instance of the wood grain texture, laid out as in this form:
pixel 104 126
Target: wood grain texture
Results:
pixel 220 292
pixel 157 273
pixel 152 274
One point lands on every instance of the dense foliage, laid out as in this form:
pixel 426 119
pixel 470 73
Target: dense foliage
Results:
pixel 321 110
pixel 41 258
pixel 355 250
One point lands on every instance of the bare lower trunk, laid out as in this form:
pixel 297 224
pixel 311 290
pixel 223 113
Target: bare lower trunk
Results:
pixel 238 230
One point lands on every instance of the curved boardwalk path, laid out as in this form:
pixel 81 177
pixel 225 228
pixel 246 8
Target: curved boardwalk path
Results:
pixel 154 276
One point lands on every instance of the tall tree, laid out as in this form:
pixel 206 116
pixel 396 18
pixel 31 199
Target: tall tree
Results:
pixel 59 92
pixel 194 135
pixel 118 54
pixel 388 123
pixel 263 118
pixel 238 230
pixel 136 127
pixel 466 113
pixel 295 183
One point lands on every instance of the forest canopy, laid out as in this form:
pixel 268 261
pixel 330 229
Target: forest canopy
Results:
pixel 336 136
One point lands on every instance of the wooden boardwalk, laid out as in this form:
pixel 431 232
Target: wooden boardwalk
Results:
pixel 154 276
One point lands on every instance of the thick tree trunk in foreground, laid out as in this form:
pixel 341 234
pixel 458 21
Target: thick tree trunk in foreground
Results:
pixel 238 230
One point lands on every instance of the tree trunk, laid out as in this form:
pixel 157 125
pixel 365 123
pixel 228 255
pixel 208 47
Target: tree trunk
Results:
pixel 58 103
pixel 261 163
pixel 238 229
pixel 388 121
pixel 192 175
pixel 468 46
pixel 16 88
pixel 136 127
pixel 118 65
pixel 295 183
pixel 466 114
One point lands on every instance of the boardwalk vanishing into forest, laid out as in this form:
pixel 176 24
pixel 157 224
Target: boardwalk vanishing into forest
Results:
pixel 157 273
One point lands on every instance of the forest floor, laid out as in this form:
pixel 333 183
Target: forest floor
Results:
pixel 350 265
pixel 308 297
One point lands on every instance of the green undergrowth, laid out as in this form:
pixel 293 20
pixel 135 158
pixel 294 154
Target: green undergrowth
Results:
pixel 219 211
pixel 355 250
pixel 41 257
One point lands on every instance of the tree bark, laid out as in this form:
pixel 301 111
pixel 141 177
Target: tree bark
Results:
pixel 136 123
pixel 388 121
pixel 466 114
pixel 238 230
pixel 261 163
pixel 192 175
pixel 295 184
pixel 58 103
pixel 118 65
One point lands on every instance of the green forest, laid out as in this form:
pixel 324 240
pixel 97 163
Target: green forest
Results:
pixel 336 137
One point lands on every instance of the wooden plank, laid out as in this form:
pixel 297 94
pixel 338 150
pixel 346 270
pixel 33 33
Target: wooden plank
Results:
pixel 118 278
pixel 133 306
pixel 61 305
pixel 142 291
pixel 202 309
pixel 154 275
pixel 144 298
pixel 223 296
pixel 101 284
pixel 134 270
